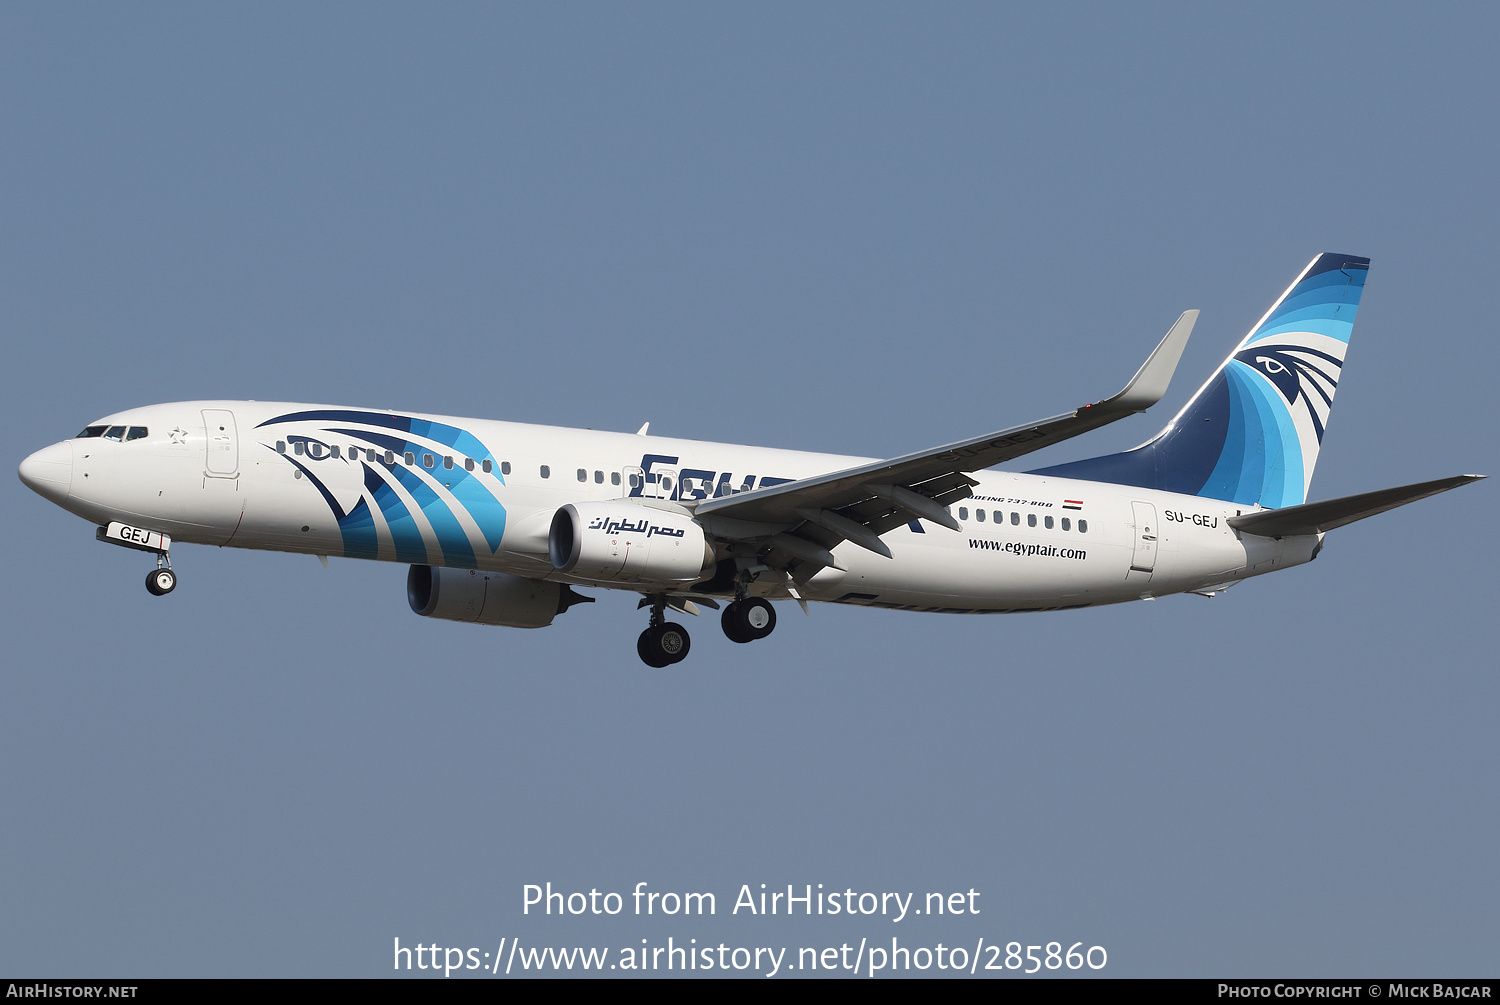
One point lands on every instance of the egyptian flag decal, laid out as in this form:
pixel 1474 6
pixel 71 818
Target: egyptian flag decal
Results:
pixel 1072 504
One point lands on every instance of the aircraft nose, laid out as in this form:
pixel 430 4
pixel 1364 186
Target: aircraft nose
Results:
pixel 49 471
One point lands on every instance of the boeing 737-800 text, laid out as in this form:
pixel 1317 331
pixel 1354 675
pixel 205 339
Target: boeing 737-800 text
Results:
pixel 500 521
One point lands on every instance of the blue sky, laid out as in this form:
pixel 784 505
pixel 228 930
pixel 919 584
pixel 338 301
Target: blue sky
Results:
pixel 849 228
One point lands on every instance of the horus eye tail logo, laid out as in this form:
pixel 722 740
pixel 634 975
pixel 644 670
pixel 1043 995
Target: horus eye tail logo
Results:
pixel 1252 433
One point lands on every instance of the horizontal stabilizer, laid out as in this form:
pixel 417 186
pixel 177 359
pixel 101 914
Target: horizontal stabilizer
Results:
pixel 1315 518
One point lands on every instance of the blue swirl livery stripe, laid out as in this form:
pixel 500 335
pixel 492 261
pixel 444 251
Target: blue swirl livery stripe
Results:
pixel 1323 301
pixel 406 536
pixel 1271 469
pixel 1252 434
pixel 468 490
pixel 451 537
pixel 358 531
pixel 358 527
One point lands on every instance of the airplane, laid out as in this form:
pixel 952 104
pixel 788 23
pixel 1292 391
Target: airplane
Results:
pixel 500 521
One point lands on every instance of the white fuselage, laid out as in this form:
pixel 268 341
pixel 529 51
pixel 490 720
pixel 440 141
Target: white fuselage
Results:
pixel 210 472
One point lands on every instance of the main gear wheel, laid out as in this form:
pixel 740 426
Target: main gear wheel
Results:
pixel 664 644
pixel 748 620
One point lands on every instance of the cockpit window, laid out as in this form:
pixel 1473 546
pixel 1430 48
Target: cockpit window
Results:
pixel 136 433
pixel 89 432
pixel 115 433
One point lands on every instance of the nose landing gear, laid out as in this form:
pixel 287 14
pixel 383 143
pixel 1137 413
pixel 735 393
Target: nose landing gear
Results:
pixel 161 580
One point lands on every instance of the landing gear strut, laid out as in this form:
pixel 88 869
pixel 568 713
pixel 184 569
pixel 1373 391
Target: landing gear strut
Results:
pixel 749 619
pixel 161 580
pixel 664 642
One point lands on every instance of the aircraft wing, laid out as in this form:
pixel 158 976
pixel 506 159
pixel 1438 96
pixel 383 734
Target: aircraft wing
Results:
pixel 861 503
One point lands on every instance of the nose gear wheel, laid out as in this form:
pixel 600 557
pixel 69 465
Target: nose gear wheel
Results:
pixel 160 582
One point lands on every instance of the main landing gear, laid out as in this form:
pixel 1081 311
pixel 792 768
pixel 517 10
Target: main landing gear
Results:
pixel 664 642
pixel 748 620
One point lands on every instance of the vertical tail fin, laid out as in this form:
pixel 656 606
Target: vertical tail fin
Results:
pixel 1252 433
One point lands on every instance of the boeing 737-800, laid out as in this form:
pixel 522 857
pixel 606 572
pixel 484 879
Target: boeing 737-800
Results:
pixel 499 521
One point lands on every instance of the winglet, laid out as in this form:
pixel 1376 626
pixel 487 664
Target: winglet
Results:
pixel 1150 381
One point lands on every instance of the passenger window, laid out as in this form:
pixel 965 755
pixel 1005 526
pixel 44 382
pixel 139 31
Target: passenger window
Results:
pixel 583 475
pixel 115 433
pixel 281 446
pixel 1015 519
pixel 979 515
pixel 614 477
pixel 1047 522
pixel 486 466
pixel 89 432
pixel 410 458
pixel 1083 526
pixel 136 433
pixel 448 461
pixel 428 460
pixel 598 477
pixel 468 464
pixel 546 471
pixel 963 512
pixel 1031 519
pixel 390 458
pixel 635 481
pixel 334 450
pixel 1067 525
pixel 505 467
pixel 299 448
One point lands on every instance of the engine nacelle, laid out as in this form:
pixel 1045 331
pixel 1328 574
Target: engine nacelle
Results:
pixel 487 598
pixel 619 542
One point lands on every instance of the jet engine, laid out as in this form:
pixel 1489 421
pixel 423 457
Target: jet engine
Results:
pixel 617 542
pixel 487 598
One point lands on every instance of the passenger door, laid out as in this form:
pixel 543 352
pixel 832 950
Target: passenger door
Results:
pixel 222 451
pixel 1146 534
pixel 222 504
